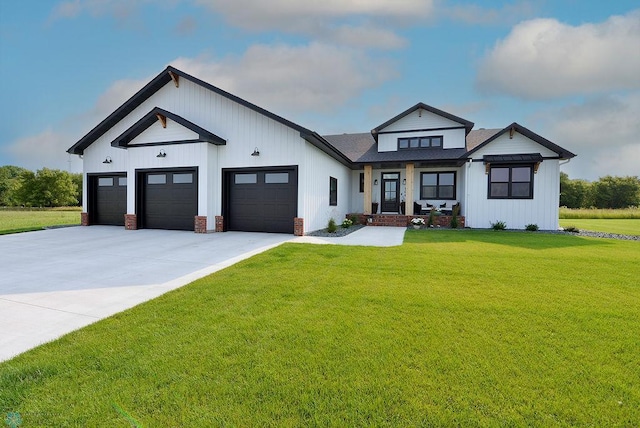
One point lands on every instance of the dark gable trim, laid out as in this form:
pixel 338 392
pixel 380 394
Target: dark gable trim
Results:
pixel 123 140
pixel 165 77
pixel 515 127
pixel 467 125
pixel 421 130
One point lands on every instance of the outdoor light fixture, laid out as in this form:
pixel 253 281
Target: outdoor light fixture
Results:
pixel 256 152
pixel 162 154
pixel 107 160
pixel 375 182
pixel 404 181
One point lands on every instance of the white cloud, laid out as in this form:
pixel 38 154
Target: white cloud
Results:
pixel 544 58
pixel 288 80
pixel 48 148
pixel 283 78
pixel 357 23
pixel 478 15
pixel 604 132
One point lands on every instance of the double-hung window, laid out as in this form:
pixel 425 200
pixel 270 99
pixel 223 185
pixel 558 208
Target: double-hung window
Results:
pixel 438 185
pixel 511 182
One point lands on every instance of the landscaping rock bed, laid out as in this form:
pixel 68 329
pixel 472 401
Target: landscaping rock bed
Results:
pixel 341 231
pixel 601 235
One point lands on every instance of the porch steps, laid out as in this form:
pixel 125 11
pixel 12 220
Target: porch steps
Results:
pixel 395 220
pixel 398 220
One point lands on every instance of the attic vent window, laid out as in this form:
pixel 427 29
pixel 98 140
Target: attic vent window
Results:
pixel 420 142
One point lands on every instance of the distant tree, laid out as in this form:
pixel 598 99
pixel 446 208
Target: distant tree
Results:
pixel 616 192
pixel 9 182
pixel 574 193
pixel 77 179
pixel 46 188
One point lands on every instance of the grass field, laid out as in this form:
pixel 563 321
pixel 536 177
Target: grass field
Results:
pixel 610 225
pixel 593 213
pixel 466 328
pixel 13 221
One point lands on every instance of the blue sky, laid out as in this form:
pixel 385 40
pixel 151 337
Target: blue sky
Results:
pixel 566 69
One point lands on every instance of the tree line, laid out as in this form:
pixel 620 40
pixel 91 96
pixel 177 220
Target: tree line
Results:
pixel 55 188
pixel 42 188
pixel 606 192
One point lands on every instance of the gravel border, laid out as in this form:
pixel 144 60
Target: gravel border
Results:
pixel 340 231
pixel 592 234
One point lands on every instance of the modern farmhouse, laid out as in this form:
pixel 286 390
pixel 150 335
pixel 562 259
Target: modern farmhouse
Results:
pixel 184 154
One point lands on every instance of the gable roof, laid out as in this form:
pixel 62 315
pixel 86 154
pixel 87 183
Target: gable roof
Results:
pixel 467 125
pixel 152 117
pixel 479 136
pixel 515 127
pixel 171 73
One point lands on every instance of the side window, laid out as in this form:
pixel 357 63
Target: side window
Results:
pixel 511 182
pixel 362 182
pixel 333 191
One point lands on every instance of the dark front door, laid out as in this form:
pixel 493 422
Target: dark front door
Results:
pixel 390 192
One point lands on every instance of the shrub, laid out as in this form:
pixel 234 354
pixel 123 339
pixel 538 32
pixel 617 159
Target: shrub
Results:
pixel 431 217
pixel 454 218
pixel 353 218
pixel 531 227
pixel 346 223
pixel 331 227
pixel 499 225
pixel 572 229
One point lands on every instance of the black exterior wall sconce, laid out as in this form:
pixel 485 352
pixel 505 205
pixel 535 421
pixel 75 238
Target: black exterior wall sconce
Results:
pixel 162 154
pixel 107 160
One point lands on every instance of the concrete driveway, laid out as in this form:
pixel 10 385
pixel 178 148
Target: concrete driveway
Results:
pixel 55 281
pixel 58 280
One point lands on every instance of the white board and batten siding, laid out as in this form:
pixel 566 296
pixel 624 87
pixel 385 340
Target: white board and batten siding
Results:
pixel 421 120
pixel 313 189
pixel 542 210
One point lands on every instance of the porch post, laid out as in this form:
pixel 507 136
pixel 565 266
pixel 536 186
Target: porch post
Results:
pixel 408 189
pixel 367 189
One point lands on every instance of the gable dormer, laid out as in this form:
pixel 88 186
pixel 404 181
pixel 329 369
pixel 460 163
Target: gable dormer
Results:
pixel 422 127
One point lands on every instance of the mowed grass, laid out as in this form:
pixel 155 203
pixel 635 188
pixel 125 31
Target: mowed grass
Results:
pixel 591 213
pixel 465 328
pixel 620 226
pixel 14 221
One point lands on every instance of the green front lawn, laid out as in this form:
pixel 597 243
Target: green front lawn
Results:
pixel 621 226
pixel 452 328
pixel 16 220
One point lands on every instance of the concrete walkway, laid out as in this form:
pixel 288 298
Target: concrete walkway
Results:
pixel 55 281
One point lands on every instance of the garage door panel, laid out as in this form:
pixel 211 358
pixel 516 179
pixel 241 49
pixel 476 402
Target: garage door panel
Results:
pixel 262 201
pixel 110 199
pixel 170 200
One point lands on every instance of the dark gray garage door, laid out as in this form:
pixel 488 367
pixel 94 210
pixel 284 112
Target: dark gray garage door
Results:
pixel 108 199
pixel 262 200
pixel 170 199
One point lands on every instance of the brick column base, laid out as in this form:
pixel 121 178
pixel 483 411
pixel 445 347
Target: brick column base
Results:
pixel 131 222
pixel 84 219
pixel 219 223
pixel 298 226
pixel 201 224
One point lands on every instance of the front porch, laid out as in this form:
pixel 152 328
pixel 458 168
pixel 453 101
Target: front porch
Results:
pixel 400 220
